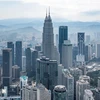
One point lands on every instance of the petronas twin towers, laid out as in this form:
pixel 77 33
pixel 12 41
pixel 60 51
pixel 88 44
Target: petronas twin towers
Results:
pixel 48 38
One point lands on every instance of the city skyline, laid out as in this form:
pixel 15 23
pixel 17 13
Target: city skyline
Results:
pixel 60 9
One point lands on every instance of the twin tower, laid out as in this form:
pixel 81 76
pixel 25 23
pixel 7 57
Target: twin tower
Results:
pixel 48 38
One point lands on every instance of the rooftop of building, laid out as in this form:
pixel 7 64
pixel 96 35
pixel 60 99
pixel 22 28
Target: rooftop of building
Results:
pixel 82 81
pixel 60 88
pixel 93 66
pixel 66 73
pixel 44 59
pixel 84 77
pixel 16 67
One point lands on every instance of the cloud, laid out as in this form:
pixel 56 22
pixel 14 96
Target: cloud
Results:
pixel 65 9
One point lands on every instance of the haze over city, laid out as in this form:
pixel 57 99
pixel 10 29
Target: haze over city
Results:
pixel 49 50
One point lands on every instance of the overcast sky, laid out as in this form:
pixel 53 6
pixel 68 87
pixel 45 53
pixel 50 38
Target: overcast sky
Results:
pixel 74 10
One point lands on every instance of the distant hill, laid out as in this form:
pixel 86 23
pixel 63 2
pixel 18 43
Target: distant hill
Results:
pixel 33 27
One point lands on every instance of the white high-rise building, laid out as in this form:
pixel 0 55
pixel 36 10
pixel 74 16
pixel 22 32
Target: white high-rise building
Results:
pixel 75 72
pixel 68 81
pixel 81 85
pixel 88 95
pixel 36 92
pixel 67 54
pixel 48 38
pixel 23 82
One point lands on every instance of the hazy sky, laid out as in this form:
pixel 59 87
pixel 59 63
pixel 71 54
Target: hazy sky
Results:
pixel 77 10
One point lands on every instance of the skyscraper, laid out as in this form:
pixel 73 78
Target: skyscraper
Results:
pixel 36 92
pixel 28 61
pixel 81 43
pixel 67 54
pixel 34 58
pixel 88 39
pixel 48 38
pixel 47 72
pixel 60 93
pixel 68 81
pixel 11 45
pixel 7 67
pixel 98 50
pixel 81 85
pixel 63 35
pixel 19 54
pixel 75 72
pixel 86 53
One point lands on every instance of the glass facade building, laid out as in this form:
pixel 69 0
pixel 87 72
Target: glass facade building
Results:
pixel 19 54
pixel 63 35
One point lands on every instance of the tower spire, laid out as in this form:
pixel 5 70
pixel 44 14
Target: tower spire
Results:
pixel 49 10
pixel 46 12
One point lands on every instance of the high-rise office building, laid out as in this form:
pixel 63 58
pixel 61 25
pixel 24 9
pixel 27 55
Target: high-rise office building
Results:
pixel 98 50
pixel 88 95
pixel 88 39
pixel 7 67
pixel 81 43
pixel 15 72
pixel 60 68
pixel 81 85
pixel 86 53
pixel 47 72
pixel 60 93
pixel 68 81
pixel 67 54
pixel 75 52
pixel 34 58
pixel 18 58
pixel 75 72
pixel 28 62
pixel 23 83
pixel 24 63
pixel 43 92
pixel 36 92
pixel 63 35
pixel 11 45
pixel 48 38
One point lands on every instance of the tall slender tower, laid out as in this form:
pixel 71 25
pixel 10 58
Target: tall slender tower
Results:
pixel 48 38
pixel 19 54
pixel 7 67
